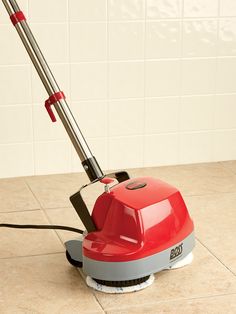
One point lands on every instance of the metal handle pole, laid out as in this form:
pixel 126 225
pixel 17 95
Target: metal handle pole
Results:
pixel 56 97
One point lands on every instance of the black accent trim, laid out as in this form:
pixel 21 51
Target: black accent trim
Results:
pixel 80 206
pixel 135 185
pixel 120 176
pixel 92 169
pixel 72 261
pixel 83 212
pixel 123 283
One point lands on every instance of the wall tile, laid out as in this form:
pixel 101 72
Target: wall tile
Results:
pixel 126 79
pixel 92 117
pixel 99 148
pixel 197 113
pixel 88 42
pixel 41 11
pixel 162 115
pixel 52 157
pixel 196 147
pixel 157 9
pixel 162 78
pixel 200 38
pixel 126 117
pixel 16 124
pixel 60 72
pixel 227 37
pixel 76 165
pixel 161 149
pixel 226 74
pixel 158 80
pixel 224 147
pixel 225 112
pixel 10 43
pixel 53 41
pixel 200 8
pixel 126 9
pixel 227 8
pixel 198 76
pixel 89 10
pixel 88 81
pixel 125 152
pixel 163 39
pixel 44 129
pixel 15 85
pixel 126 40
pixel 4 17
pixel 16 160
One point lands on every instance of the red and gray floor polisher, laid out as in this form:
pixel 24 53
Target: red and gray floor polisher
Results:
pixel 137 227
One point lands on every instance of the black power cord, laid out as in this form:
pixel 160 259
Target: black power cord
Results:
pixel 42 227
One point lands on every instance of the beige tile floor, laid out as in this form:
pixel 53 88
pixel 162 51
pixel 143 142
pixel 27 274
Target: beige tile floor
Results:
pixel 35 276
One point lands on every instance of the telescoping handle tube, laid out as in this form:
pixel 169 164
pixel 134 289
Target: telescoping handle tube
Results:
pixel 56 96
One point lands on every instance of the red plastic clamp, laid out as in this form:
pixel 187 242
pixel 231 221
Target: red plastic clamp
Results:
pixel 51 101
pixel 17 17
pixel 107 180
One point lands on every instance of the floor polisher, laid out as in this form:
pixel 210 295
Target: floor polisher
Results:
pixel 137 227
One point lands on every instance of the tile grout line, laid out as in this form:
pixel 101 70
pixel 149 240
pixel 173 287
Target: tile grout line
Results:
pixel 56 231
pixel 210 251
pixel 34 195
pixel 143 137
pixel 175 299
pixel 44 212
pixel 97 300
pixel 225 168
pixel 108 101
pixel 32 255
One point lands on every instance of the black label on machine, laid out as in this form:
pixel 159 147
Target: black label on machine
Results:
pixel 176 251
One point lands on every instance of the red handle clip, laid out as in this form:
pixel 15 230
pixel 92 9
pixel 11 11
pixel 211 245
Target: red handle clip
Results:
pixel 51 101
pixel 17 17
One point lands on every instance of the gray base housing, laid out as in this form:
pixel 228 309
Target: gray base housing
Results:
pixel 119 271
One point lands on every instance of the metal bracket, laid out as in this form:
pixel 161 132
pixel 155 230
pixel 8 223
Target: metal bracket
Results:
pixel 82 209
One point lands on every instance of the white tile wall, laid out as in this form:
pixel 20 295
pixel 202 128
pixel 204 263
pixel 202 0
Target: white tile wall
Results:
pixel 88 41
pixel 126 79
pixel 162 78
pixel 163 39
pixel 88 81
pixel 158 9
pixel 150 82
pixel 89 10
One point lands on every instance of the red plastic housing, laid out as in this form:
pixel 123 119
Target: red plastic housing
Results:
pixel 138 218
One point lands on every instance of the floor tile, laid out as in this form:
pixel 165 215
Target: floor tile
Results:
pixel 44 284
pixel 15 195
pixel 230 165
pixel 211 305
pixel 65 216
pixel 16 242
pixel 206 276
pixel 53 191
pixel 198 179
pixel 215 223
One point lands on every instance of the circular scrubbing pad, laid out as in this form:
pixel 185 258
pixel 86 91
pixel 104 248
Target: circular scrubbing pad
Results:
pixel 124 283
pixel 111 289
